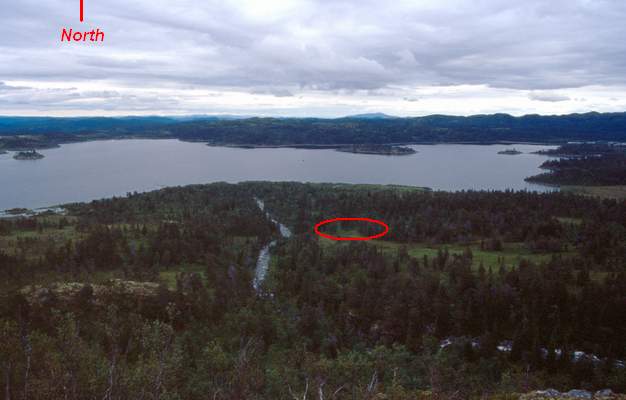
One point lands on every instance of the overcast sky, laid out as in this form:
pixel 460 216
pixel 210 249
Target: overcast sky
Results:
pixel 314 58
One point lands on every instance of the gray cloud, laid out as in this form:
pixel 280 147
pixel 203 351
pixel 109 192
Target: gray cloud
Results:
pixel 275 92
pixel 280 48
pixel 18 98
pixel 547 96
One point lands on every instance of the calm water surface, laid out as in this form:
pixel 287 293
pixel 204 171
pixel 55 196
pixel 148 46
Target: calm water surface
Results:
pixel 92 170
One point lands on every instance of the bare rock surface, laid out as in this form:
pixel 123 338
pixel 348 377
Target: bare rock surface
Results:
pixel 604 394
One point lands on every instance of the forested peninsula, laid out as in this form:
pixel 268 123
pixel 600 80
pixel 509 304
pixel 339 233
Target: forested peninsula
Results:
pixel 584 164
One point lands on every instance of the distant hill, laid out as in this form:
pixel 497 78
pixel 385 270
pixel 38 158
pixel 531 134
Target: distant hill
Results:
pixel 44 125
pixel 429 129
pixel 358 129
pixel 108 125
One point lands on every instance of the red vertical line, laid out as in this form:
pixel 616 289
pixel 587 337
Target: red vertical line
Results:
pixel 81 10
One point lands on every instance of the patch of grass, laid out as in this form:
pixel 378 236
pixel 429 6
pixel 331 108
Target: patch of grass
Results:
pixel 338 233
pixel 511 254
pixel 35 242
pixel 572 221
pixel 168 276
pixel 371 187
pixel 598 276
pixel 604 192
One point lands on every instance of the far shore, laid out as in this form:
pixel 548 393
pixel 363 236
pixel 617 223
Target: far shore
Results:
pixel 50 144
pixel 339 145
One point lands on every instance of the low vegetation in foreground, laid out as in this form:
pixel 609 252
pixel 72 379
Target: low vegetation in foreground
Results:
pixel 471 294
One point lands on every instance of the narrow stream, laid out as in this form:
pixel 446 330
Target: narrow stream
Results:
pixel 263 261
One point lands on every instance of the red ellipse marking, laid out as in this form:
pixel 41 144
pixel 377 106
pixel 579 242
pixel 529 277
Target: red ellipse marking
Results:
pixel 331 237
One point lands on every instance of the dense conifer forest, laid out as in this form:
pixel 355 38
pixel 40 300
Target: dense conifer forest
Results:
pixel 150 295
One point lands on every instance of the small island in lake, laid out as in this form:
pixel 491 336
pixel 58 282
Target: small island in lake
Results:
pixel 16 211
pixel 510 152
pixel 383 149
pixel 28 155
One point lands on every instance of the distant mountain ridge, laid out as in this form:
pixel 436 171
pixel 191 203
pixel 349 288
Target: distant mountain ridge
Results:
pixel 375 128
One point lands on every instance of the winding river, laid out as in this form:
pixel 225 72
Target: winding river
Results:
pixel 263 262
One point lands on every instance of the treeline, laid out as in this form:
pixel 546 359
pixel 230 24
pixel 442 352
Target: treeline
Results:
pixel 435 128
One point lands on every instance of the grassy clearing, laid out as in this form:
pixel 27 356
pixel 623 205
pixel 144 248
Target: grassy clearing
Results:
pixel 511 254
pixel 605 192
pixel 34 243
pixel 372 187
pixel 598 276
pixel 168 276
pixel 572 221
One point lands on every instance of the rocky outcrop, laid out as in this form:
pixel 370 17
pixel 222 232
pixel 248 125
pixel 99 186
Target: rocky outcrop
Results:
pixel 506 346
pixel 575 394
pixel 67 292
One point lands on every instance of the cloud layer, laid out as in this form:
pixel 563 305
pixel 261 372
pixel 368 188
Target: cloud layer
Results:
pixel 314 57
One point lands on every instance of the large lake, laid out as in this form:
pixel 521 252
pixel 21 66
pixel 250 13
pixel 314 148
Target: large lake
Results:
pixel 92 170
